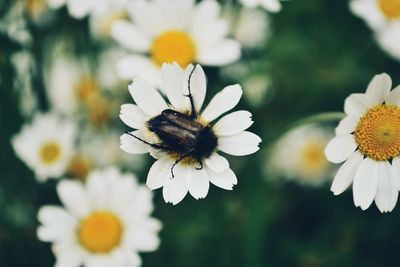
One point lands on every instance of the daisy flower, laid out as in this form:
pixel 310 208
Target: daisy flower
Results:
pixel 184 139
pixel 105 222
pixel 377 13
pixel 272 6
pixel 299 155
pixel 166 31
pixel 46 145
pixel 367 142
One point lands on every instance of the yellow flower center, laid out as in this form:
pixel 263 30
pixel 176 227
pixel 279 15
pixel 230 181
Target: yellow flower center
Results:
pixel 86 89
pixel 80 166
pixel 100 232
pixel 50 152
pixel 390 8
pixel 378 132
pixel 173 46
pixel 35 7
pixel 313 159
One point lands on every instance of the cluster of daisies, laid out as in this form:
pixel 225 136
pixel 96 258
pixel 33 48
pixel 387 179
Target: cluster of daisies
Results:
pixel 160 46
pixel 383 17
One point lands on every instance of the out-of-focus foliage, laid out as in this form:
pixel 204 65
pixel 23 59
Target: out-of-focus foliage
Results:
pixel 316 55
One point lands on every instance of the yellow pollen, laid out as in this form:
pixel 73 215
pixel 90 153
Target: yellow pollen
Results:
pixel 390 8
pixel 50 152
pixel 100 232
pixel 173 46
pixel 378 132
pixel 79 167
pixel 86 89
pixel 313 159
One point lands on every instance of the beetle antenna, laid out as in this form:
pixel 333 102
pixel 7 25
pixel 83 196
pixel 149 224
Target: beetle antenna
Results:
pixel 193 113
pixel 144 141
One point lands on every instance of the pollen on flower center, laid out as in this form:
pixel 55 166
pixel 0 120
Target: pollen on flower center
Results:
pixel 100 232
pixel 86 90
pixel 50 152
pixel 173 46
pixel 313 157
pixel 378 133
pixel 390 8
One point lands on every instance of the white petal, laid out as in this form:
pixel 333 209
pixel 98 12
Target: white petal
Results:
pixel 346 173
pixel 73 196
pixel 130 36
pixel 134 66
pixel 221 53
pixel 340 148
pixel 271 5
pixel 225 180
pixel 133 116
pixel 147 98
pixel 175 189
pixel 379 88
pixel 206 10
pixel 159 172
pixel 217 163
pixel 67 255
pixel 132 145
pixel 394 97
pixel 347 125
pixel 356 105
pixel 233 123
pixel 366 183
pixel 387 192
pixel 172 76
pixel 242 144
pixel 222 102
pixel 198 183
pixel 57 224
pixel 146 15
pixel 198 85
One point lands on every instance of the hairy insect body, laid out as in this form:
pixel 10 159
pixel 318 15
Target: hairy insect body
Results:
pixel 183 135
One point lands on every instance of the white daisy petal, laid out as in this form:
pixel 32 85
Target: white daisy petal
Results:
pixel 56 224
pixel 147 16
pixel 366 183
pixel 244 143
pixel 222 102
pixel 133 66
pixel 345 175
pixel 198 183
pixel 172 76
pixel 221 53
pixel 225 180
pixel 347 125
pixel 356 105
pixel 217 163
pixel 132 116
pixel 73 197
pixel 233 123
pixel 387 192
pixel 176 188
pixel 131 145
pixel 206 10
pixel 159 172
pixel 68 255
pixel 130 36
pixel 394 97
pixel 147 98
pixel 198 85
pixel 379 88
pixel 340 148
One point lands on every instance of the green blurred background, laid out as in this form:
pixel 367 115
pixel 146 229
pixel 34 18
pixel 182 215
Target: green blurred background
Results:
pixel 317 55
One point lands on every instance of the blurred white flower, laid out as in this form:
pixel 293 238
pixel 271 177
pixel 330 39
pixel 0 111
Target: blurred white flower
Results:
pixel 389 40
pixel 377 14
pixel 299 155
pixel 14 25
pixel 368 142
pixel 46 145
pixel 182 137
pixel 269 5
pixel 82 8
pixel 167 31
pixel 252 28
pixel 105 222
pixel 255 89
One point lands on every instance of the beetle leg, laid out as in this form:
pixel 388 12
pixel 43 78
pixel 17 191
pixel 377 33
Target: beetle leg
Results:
pixel 156 146
pixel 190 96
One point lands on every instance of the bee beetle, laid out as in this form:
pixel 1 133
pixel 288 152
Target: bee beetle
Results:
pixel 182 135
